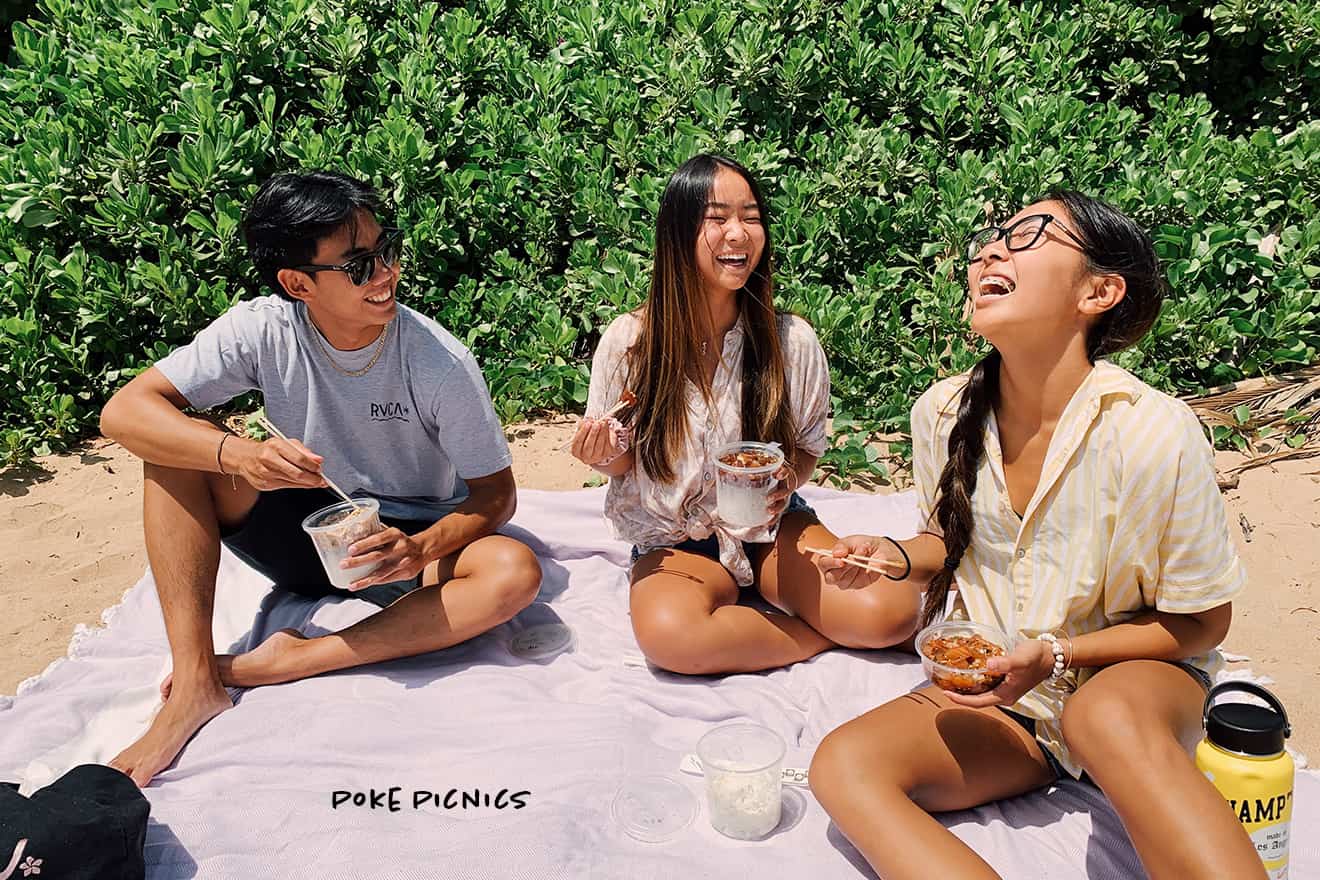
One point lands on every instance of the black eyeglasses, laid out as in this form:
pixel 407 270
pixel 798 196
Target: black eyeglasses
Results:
pixel 1019 236
pixel 360 269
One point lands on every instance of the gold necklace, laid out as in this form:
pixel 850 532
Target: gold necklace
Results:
pixel 380 347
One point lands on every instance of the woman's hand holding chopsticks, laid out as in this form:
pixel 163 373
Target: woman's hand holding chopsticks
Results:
pixel 626 400
pixel 596 442
pixel 857 561
pixel 603 442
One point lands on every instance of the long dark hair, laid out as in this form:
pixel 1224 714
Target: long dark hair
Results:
pixel 1114 245
pixel 675 318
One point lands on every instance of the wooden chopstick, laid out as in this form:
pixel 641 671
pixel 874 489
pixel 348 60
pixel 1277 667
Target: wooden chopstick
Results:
pixel 858 560
pixel 265 423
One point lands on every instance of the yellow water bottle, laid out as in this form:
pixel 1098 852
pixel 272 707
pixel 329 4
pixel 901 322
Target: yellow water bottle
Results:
pixel 1243 755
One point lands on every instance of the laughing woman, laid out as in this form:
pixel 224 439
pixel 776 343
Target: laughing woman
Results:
pixel 1078 508
pixel 710 361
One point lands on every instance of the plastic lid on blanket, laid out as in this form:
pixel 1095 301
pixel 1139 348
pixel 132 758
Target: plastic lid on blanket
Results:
pixel 653 809
pixel 542 640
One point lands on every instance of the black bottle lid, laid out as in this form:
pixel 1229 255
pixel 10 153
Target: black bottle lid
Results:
pixel 1246 728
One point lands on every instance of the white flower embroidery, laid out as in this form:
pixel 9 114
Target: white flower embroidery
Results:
pixel 30 866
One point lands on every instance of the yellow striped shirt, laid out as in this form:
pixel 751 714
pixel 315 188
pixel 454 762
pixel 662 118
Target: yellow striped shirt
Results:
pixel 1126 518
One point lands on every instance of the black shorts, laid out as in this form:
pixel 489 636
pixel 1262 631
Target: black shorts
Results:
pixel 273 542
pixel 709 546
pixel 1029 724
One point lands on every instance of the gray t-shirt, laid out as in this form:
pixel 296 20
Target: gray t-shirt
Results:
pixel 407 432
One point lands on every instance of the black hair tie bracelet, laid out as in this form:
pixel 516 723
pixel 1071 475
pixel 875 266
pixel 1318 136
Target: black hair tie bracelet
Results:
pixel 906 559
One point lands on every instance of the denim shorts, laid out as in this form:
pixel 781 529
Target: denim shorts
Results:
pixel 1029 724
pixel 709 546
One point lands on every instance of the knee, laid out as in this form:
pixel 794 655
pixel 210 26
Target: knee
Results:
pixel 516 576
pixel 835 767
pixel 671 639
pixel 829 771
pixel 877 620
pixel 1104 728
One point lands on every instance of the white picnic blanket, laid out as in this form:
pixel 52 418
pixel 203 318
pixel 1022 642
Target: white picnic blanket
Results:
pixel 252 794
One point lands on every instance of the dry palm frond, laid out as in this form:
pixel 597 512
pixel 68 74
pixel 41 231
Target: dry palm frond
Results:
pixel 1310 450
pixel 1271 396
pixel 1290 402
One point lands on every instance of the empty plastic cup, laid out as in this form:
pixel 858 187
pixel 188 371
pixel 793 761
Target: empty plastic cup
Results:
pixel 743 766
pixel 335 528
pixel 746 478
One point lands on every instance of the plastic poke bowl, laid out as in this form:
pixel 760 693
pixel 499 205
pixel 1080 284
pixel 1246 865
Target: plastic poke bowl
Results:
pixel 954 654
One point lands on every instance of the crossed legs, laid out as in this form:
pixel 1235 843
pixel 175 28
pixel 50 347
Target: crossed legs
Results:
pixel 463 595
pixel 686 617
pixel 483 585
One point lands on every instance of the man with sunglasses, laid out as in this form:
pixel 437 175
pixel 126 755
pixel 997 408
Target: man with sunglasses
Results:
pixel 375 398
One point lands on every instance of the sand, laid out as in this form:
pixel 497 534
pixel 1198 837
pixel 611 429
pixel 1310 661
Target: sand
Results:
pixel 72 529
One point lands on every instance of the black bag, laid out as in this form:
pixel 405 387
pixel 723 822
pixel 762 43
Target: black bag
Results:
pixel 90 824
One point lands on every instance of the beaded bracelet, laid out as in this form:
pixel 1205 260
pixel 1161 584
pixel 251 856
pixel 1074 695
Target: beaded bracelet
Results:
pixel 1056 648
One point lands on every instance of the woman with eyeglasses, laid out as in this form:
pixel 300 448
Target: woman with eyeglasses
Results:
pixel 708 360
pixel 1075 507
pixel 381 401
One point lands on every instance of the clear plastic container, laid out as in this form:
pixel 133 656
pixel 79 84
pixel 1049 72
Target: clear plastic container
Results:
pixel 653 809
pixel 744 486
pixel 335 528
pixel 743 765
pixel 541 641
pixel 967 676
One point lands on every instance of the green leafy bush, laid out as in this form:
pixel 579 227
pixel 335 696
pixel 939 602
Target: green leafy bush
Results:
pixel 526 142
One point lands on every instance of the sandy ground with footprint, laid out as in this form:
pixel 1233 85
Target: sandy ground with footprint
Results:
pixel 72 532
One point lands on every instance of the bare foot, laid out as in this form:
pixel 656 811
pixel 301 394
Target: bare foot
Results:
pixel 267 663
pixel 170 730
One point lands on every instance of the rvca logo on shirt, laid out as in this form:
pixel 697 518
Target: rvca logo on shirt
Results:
pixel 390 412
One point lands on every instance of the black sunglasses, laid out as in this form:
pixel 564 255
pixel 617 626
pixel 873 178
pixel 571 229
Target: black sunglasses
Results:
pixel 1018 236
pixel 360 269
